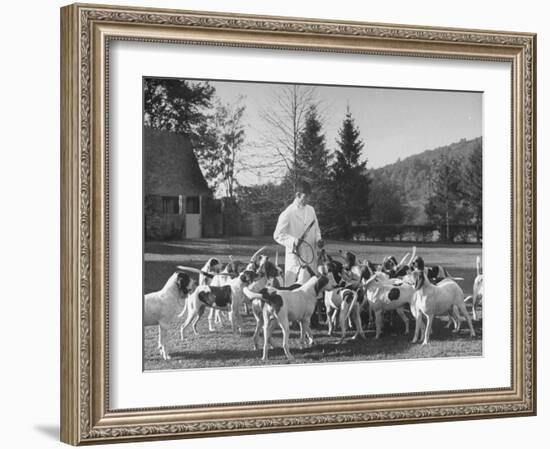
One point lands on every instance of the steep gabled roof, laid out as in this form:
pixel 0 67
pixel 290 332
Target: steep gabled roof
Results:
pixel 170 166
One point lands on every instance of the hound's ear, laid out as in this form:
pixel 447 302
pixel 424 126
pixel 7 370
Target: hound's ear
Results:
pixel 320 284
pixel 419 263
pixel 366 272
pixel 419 281
pixel 183 277
pixel 402 271
pixel 247 276
pixel 184 282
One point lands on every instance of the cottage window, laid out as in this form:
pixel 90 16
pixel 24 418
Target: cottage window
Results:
pixel 170 205
pixel 192 205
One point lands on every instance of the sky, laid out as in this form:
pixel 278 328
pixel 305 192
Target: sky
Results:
pixel 393 123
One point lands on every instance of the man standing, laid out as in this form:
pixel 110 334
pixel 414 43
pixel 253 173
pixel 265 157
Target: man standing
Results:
pixel 298 221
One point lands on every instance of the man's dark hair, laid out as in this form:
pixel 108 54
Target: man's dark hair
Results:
pixel 303 187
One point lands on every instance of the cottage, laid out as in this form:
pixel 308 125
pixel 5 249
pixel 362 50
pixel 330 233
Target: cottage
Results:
pixel 176 195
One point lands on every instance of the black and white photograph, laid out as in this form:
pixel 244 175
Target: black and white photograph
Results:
pixel 306 224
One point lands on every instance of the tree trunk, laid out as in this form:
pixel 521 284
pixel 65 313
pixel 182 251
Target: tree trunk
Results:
pixel 447 236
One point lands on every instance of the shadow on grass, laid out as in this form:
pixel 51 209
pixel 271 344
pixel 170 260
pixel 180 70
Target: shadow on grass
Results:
pixel 224 354
pixel 320 351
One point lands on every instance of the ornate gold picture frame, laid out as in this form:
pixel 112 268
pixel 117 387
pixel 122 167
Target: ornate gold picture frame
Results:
pixel 86 34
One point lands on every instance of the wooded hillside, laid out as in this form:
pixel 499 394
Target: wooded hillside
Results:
pixel 411 174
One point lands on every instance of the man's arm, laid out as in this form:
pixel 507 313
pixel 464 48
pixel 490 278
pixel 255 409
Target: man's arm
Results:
pixel 281 234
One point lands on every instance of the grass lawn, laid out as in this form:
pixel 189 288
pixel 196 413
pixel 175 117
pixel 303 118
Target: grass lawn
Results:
pixel 222 348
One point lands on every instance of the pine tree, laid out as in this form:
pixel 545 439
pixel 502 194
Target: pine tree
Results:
pixel 473 187
pixel 312 156
pixel 445 206
pixel 350 180
pixel 312 162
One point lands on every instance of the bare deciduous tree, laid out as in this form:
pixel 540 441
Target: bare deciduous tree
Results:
pixel 283 122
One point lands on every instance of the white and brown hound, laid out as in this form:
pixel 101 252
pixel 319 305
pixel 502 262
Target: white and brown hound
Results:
pixel 283 307
pixel 432 300
pixel 228 297
pixel 163 307
pixel 384 294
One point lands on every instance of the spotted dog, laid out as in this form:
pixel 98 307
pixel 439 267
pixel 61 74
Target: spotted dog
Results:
pixel 282 307
pixel 228 297
pixel 385 294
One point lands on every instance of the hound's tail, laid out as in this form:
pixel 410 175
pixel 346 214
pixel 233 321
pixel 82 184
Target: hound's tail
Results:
pixel 448 275
pixel 478 265
pixel 352 304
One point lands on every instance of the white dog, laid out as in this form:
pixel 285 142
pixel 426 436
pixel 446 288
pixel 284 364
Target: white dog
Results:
pixel 163 307
pixel 384 294
pixel 283 307
pixel 268 275
pixel 477 295
pixel 344 303
pixel 431 300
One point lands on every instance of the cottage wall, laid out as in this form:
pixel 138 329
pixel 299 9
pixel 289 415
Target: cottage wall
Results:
pixel 171 175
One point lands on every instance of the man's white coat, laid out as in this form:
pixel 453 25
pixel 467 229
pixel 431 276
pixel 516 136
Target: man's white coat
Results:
pixel 291 225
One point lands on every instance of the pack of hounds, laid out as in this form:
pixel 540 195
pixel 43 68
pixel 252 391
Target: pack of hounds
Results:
pixel 343 289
